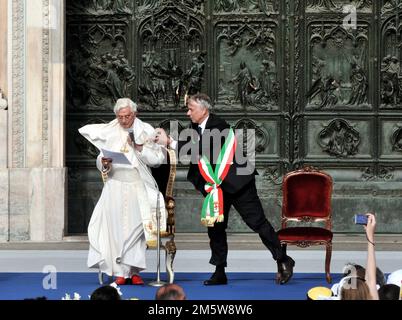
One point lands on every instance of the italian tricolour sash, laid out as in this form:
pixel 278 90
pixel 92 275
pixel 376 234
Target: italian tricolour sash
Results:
pixel 212 208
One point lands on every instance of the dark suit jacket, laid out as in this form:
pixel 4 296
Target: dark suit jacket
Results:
pixel 233 181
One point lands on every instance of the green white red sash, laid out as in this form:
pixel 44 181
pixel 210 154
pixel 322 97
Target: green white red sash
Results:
pixel 212 208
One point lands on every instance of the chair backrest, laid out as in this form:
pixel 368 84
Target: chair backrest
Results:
pixel 307 196
pixel 164 176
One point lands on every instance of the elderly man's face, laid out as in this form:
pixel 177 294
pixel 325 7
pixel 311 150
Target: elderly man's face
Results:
pixel 196 112
pixel 125 117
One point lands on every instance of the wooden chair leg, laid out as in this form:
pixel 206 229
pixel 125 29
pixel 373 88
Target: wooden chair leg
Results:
pixel 328 261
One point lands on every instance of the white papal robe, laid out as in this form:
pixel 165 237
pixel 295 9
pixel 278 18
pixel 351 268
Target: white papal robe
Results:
pixel 125 216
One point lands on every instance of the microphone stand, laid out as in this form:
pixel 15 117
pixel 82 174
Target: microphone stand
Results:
pixel 157 282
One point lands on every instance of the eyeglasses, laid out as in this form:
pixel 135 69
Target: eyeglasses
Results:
pixel 127 117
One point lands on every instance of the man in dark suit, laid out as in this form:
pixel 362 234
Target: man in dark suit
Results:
pixel 238 189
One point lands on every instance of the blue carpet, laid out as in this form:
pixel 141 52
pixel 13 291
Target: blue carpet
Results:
pixel 242 286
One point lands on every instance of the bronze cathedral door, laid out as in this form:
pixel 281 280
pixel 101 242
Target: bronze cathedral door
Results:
pixel 318 81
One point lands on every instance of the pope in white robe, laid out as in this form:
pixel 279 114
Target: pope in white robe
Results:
pixel 124 218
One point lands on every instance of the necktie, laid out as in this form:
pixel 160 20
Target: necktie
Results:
pixel 199 130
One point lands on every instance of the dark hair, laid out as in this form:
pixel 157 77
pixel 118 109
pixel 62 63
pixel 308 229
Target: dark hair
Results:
pixel 388 292
pixel 170 292
pixel 361 272
pixel 354 270
pixel 105 293
pixel 380 277
pixel 41 298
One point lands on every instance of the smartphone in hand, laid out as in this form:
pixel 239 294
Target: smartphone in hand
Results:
pixel 360 219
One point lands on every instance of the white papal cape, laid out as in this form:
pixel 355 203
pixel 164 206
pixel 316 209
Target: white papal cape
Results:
pixel 125 216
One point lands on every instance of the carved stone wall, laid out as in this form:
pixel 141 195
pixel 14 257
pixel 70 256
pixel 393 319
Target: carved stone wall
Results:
pixel 315 92
pixel 32 171
pixel 17 83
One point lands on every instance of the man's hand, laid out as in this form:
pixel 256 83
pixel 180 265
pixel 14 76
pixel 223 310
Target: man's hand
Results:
pixel 161 137
pixel 106 164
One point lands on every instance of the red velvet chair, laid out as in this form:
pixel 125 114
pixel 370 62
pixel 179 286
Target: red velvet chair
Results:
pixel 306 199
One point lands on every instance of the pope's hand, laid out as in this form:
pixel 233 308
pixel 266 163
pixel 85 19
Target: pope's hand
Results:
pixel 107 164
pixel 148 225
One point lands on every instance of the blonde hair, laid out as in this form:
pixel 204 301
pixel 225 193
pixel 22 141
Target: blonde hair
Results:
pixel 124 103
pixel 354 288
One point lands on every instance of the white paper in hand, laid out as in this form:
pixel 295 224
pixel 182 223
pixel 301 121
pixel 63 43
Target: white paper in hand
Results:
pixel 118 157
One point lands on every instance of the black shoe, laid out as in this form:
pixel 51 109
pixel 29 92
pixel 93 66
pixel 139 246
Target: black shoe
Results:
pixel 285 270
pixel 216 279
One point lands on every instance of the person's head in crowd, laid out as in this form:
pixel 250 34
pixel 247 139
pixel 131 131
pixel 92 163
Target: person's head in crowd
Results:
pixel 356 270
pixel 389 292
pixel 170 292
pixel 395 278
pixel 105 293
pixel 380 277
pixel 354 288
pixel 36 298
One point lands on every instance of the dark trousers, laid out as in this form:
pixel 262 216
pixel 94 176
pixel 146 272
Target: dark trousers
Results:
pixel 248 204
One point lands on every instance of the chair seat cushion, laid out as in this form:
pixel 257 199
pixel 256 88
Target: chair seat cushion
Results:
pixel 305 234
